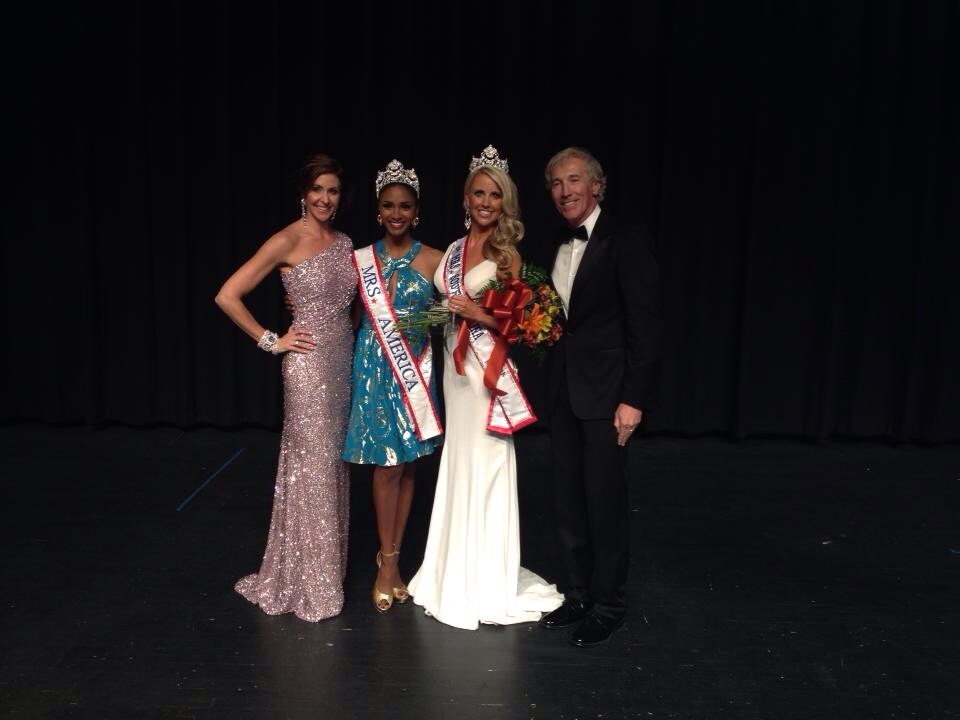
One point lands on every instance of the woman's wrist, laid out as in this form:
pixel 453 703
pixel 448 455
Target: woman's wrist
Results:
pixel 268 342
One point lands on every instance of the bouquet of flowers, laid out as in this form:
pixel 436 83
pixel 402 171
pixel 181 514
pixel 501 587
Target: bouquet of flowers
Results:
pixel 534 318
pixel 527 310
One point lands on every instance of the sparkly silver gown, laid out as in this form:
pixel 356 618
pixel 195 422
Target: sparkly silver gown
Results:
pixel 306 557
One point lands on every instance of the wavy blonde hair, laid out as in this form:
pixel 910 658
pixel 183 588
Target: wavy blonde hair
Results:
pixel 502 245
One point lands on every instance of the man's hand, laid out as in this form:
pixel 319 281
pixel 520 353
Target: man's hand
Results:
pixel 625 420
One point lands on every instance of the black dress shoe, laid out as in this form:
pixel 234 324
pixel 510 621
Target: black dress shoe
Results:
pixel 567 615
pixel 594 629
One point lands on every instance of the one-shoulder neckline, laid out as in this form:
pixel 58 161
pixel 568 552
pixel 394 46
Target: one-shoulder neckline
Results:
pixel 336 237
pixel 482 261
pixel 485 260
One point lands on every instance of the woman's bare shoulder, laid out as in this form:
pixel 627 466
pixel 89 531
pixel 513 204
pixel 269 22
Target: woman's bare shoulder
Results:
pixel 287 237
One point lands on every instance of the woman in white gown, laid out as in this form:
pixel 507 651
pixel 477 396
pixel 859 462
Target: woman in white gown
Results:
pixel 471 571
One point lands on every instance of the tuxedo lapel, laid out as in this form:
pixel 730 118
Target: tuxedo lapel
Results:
pixel 556 251
pixel 599 240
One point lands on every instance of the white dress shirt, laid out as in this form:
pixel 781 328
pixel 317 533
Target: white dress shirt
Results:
pixel 568 260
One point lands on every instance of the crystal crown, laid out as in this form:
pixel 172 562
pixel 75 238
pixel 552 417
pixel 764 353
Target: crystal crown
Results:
pixel 395 172
pixel 489 156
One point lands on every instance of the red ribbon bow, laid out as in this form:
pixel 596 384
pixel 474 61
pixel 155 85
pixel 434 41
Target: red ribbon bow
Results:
pixel 507 307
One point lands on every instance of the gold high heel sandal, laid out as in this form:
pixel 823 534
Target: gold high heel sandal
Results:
pixel 400 593
pixel 381 601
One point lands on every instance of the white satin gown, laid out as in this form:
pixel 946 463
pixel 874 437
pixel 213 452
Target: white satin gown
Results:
pixel 471 571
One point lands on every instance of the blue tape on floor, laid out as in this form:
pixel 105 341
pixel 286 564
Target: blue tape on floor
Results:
pixel 212 476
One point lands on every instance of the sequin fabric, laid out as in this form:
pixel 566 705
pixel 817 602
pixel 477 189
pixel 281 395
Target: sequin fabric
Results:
pixel 306 557
pixel 380 431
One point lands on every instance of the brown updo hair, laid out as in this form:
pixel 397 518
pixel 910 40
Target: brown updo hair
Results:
pixel 322 164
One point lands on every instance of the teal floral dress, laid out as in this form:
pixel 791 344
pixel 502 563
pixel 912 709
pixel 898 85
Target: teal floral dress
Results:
pixel 380 431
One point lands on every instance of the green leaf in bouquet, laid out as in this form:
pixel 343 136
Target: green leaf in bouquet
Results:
pixel 533 275
pixel 434 314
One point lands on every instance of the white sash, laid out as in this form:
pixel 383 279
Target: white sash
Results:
pixel 412 374
pixel 509 411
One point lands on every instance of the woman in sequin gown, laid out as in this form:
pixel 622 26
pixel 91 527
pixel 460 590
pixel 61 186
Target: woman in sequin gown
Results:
pixel 380 430
pixel 304 564
pixel 471 571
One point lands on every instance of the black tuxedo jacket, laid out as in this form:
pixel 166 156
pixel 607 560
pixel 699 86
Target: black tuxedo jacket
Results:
pixel 610 348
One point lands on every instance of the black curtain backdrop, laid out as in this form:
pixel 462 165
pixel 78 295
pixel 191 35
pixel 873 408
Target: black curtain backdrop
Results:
pixel 796 161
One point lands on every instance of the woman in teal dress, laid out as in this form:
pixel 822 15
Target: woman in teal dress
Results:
pixel 393 422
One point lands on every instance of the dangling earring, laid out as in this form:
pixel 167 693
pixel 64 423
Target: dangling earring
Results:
pixel 303 211
pixel 333 215
pixel 466 219
pixel 416 221
pixel 379 220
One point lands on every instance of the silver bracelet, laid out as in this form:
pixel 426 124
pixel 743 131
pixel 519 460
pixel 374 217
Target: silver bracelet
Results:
pixel 268 341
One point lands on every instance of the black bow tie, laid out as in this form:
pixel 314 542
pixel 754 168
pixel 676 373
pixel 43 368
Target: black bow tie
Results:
pixel 580 232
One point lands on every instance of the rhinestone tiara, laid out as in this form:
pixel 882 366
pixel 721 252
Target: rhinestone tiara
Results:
pixel 489 156
pixel 395 172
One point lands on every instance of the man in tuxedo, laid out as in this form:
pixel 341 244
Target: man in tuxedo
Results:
pixel 602 378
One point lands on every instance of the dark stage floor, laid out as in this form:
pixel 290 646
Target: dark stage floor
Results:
pixel 770 579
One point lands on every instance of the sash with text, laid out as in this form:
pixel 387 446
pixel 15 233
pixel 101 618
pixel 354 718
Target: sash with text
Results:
pixel 509 409
pixel 412 373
